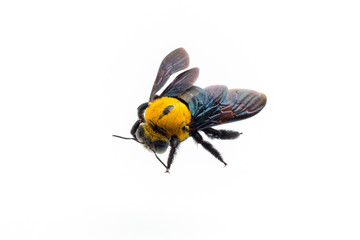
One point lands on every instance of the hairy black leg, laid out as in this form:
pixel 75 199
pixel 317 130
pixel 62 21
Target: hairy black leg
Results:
pixel 198 138
pixel 221 134
pixel 174 143
pixel 141 110
pixel 134 128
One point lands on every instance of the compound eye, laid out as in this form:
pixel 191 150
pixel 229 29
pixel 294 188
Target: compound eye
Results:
pixel 160 146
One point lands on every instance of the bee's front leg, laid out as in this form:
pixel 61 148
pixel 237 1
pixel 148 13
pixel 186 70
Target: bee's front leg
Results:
pixel 141 109
pixel 134 128
pixel 174 143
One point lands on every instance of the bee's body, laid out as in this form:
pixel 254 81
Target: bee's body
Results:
pixel 169 116
pixel 182 110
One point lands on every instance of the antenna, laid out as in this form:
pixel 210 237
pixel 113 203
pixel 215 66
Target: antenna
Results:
pixel 126 138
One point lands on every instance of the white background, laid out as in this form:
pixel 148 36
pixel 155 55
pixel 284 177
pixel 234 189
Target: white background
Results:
pixel 73 73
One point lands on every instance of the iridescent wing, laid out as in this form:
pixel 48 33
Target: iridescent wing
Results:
pixel 189 94
pixel 181 83
pixel 216 105
pixel 175 61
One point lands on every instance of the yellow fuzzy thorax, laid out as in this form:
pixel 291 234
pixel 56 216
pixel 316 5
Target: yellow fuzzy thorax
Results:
pixel 171 115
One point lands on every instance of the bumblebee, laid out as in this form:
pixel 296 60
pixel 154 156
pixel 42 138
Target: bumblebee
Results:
pixel 182 110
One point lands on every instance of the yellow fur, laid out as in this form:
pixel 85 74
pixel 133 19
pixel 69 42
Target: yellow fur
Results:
pixel 174 122
pixel 153 134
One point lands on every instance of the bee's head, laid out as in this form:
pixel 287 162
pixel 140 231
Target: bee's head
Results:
pixel 151 139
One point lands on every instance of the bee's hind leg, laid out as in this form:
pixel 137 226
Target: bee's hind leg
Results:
pixel 221 134
pixel 199 139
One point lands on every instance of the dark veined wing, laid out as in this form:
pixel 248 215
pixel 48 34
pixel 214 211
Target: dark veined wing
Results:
pixel 181 83
pixel 206 104
pixel 175 61
pixel 189 94
pixel 216 105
